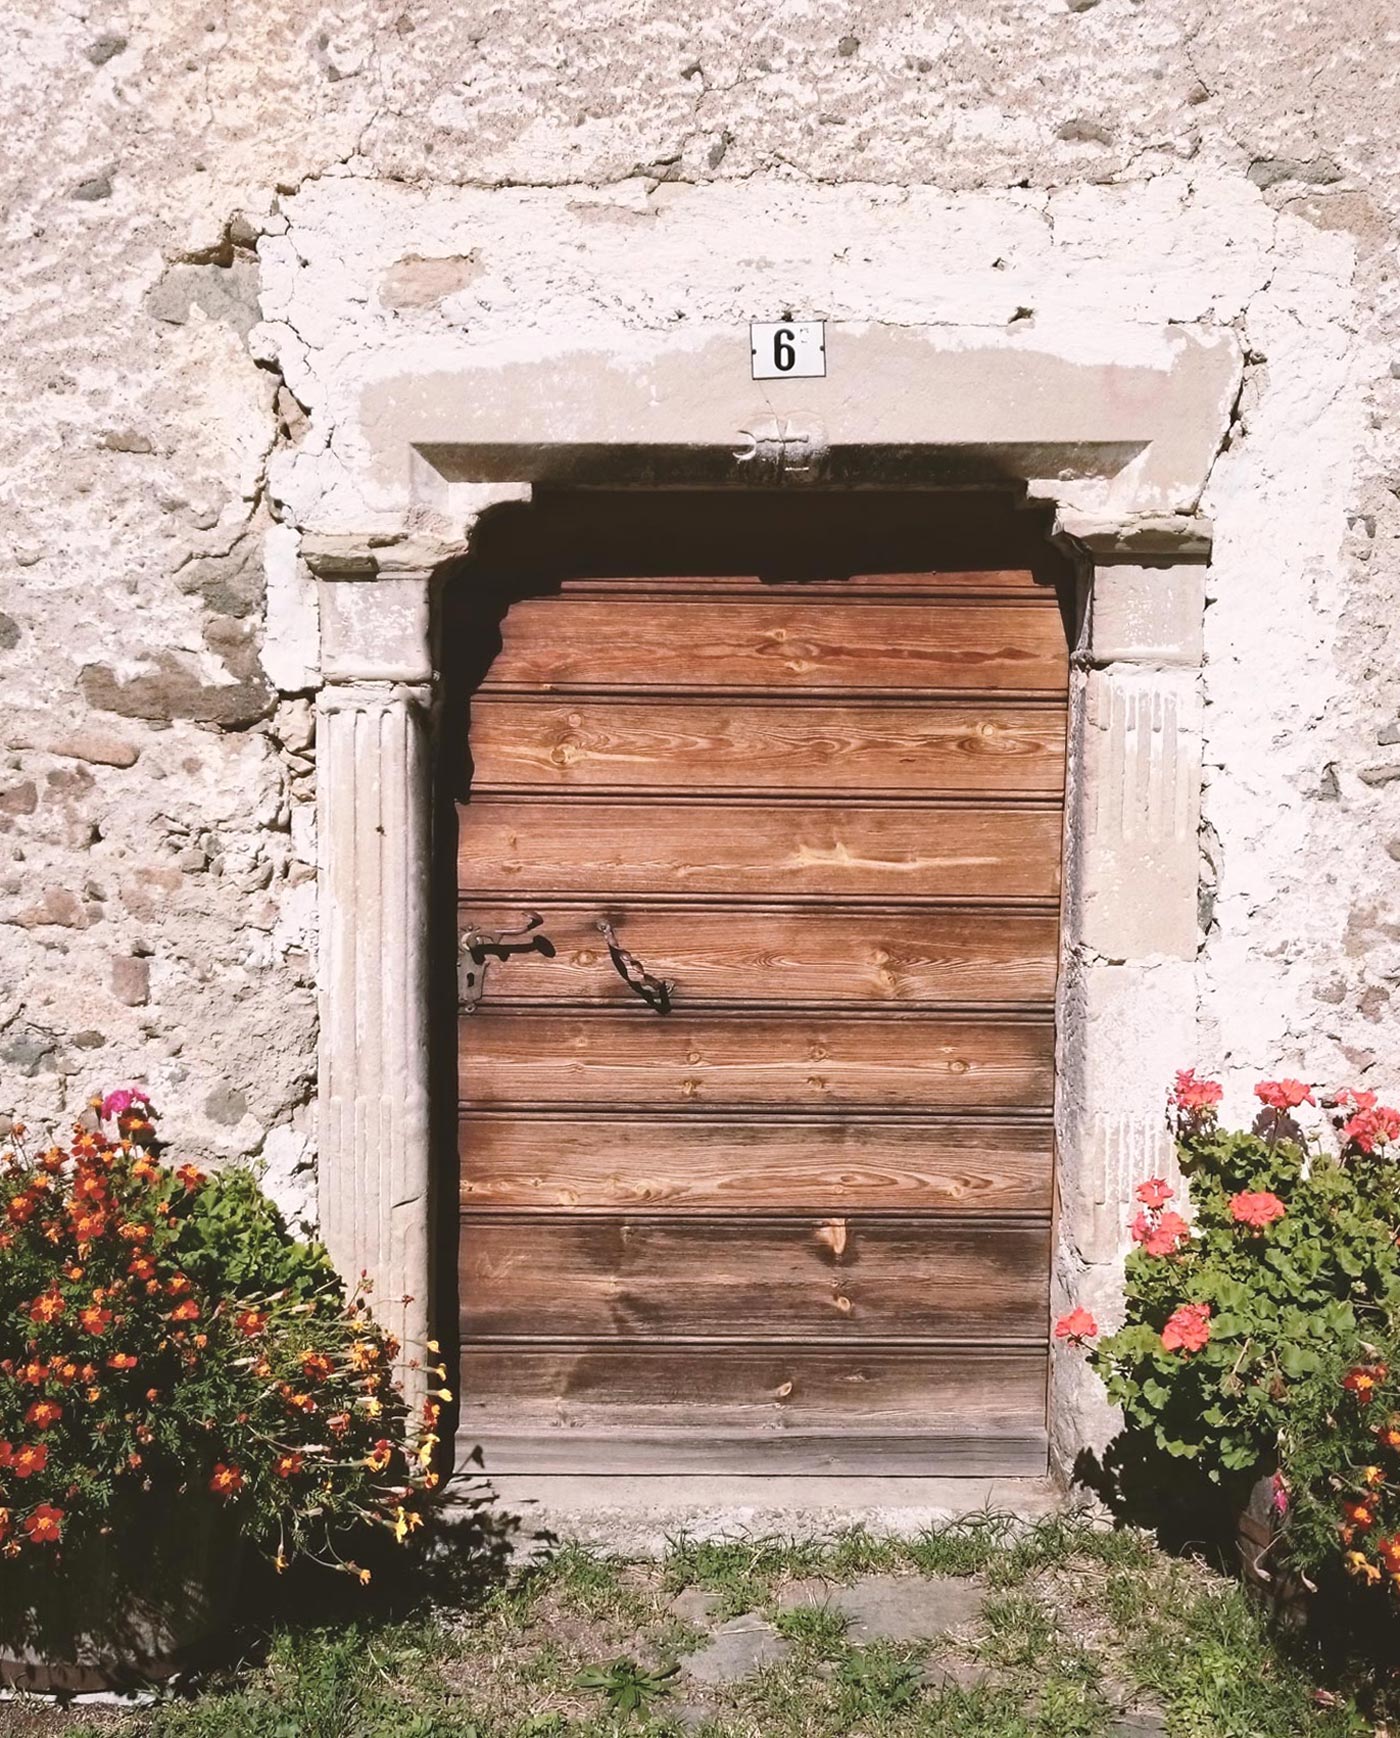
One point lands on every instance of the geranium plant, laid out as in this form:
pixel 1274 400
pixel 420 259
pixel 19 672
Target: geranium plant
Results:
pixel 161 1332
pixel 1256 1324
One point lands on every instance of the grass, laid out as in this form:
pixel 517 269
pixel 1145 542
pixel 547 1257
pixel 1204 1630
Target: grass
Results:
pixel 1075 1625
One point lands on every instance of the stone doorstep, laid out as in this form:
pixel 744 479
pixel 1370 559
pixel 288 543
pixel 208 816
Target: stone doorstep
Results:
pixel 641 1515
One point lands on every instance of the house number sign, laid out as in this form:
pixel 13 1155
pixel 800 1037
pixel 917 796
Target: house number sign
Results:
pixel 788 349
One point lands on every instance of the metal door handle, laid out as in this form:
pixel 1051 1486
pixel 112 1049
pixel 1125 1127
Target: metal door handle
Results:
pixel 655 992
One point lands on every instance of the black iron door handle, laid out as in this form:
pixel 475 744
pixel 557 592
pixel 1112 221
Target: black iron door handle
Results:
pixel 655 992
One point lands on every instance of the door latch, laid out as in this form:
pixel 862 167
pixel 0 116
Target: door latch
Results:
pixel 478 947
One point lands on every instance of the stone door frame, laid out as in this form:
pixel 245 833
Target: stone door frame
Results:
pixel 1126 1006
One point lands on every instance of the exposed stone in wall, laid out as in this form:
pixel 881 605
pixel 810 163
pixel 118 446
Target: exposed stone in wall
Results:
pixel 431 175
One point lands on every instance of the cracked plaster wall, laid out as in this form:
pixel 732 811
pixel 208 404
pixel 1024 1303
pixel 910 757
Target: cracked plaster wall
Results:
pixel 215 217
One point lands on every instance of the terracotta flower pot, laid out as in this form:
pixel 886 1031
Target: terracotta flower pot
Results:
pixel 131 1607
pixel 1258 1534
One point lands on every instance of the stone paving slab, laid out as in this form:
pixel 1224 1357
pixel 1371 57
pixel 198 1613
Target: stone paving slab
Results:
pixel 737 1649
pixel 906 1607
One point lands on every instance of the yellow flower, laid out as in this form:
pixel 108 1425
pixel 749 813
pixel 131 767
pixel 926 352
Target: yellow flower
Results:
pixel 279 1562
pixel 1371 1475
pixel 425 1449
pixel 432 1345
pixel 1358 1566
pixel 364 1575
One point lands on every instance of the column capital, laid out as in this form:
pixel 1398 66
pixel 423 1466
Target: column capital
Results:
pixel 1137 538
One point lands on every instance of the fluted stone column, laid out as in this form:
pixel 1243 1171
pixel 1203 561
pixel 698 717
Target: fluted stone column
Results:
pixel 1129 991
pixel 374 807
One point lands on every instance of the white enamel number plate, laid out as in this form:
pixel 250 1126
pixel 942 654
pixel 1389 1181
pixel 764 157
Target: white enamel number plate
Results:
pixel 788 349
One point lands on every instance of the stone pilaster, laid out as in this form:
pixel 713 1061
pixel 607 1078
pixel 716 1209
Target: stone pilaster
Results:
pixel 1128 992
pixel 374 808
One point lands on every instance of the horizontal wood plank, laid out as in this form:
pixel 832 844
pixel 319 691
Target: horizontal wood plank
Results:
pixel 718 1164
pixel 832 1278
pixel 851 1409
pixel 682 1450
pixel 802 1060
pixel 520 846
pixel 938 747
pixel 822 954
pixel 781 643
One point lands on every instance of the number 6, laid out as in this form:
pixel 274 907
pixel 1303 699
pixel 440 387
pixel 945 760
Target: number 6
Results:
pixel 784 356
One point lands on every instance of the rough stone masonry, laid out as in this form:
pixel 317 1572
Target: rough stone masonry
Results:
pixel 216 217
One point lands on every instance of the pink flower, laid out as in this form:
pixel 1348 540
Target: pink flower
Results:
pixel 1280 1489
pixel 1282 1095
pixel 1154 1193
pixel 1076 1327
pixel 1192 1094
pixel 1159 1234
pixel 1369 1129
pixel 1349 1098
pixel 122 1100
pixel 1187 1329
pixel 1258 1210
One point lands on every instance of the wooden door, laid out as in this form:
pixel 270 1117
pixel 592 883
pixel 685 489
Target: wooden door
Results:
pixel 806 759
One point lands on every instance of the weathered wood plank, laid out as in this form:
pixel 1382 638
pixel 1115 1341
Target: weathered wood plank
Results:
pixel 783 643
pixel 850 1409
pixel 675 1452
pixel 939 747
pixel 803 1060
pixel 522 845
pixel 829 1278
pixel 817 954
pixel 717 1164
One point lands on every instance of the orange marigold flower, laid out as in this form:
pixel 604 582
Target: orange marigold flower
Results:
pixel 66 1372
pixel 338 1423
pixel 1388 1550
pixel 7 1454
pixel 316 1366
pixel 187 1310
pixel 1076 1327
pixel 1256 1209
pixel 44 1525
pixel 122 1361
pixel 21 1209
pixel 88 1227
pixel 141 1267
pixel 226 1481
pixel 95 1319
pixel 192 1177
pixel 34 1372
pixel 32 1458
pixel 288 1465
pixel 250 1322
pixel 1389 1433
pixel 378 1458
pixel 48 1306
pixel 1357 1565
pixel 1187 1328
pixel 43 1413
pixel 1359 1515
pixel 179 1284
pixel 1281 1095
pixel 1363 1379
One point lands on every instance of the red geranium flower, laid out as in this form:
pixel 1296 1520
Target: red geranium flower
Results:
pixel 1159 1234
pixel 1258 1210
pixel 1155 1194
pixel 1281 1095
pixel 45 1525
pixel 1187 1328
pixel 1192 1094
pixel 1076 1327
pixel 1370 1129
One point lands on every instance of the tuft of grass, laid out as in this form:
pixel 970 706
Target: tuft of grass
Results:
pixel 877 1681
pixel 819 1630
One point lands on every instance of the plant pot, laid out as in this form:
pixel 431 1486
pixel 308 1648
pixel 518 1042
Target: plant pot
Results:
pixel 1259 1536
pixel 130 1607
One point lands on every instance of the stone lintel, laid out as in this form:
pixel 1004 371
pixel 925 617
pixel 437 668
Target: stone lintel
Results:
pixel 1168 537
